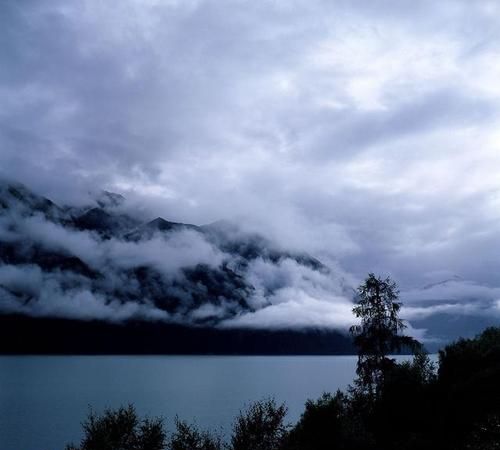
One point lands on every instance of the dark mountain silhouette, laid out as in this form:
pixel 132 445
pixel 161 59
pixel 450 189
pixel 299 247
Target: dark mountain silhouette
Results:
pixel 104 222
pixel 454 278
pixel 15 196
pixel 110 199
pixel 158 225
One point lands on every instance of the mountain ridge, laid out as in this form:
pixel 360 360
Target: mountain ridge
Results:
pixel 99 263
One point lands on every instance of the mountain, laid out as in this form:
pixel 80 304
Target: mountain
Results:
pixel 446 282
pixel 106 224
pixel 69 274
pixel 16 197
pixel 159 225
pixel 451 308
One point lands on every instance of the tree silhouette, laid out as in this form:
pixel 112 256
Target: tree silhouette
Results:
pixel 260 427
pixel 189 437
pixel 379 333
pixel 121 429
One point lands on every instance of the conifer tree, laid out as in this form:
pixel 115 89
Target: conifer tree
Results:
pixel 379 333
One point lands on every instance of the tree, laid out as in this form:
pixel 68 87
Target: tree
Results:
pixel 121 429
pixel 260 427
pixel 379 333
pixel 468 376
pixel 330 422
pixel 188 437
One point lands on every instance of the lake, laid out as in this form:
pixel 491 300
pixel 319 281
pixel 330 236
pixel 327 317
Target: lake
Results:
pixel 43 399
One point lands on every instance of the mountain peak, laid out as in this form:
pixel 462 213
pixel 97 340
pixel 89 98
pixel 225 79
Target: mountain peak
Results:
pixel 165 225
pixel 454 278
pixel 16 196
pixel 158 225
pixel 108 199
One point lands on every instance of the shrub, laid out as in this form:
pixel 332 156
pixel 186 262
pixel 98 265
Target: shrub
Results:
pixel 189 437
pixel 121 429
pixel 331 422
pixel 260 427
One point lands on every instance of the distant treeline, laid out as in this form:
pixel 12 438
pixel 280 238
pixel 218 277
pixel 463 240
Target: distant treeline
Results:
pixel 416 407
pixel 20 334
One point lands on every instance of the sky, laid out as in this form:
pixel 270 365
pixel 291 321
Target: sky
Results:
pixel 364 132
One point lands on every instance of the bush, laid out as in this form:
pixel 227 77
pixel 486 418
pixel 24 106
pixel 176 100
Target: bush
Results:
pixel 485 435
pixel 469 390
pixel 188 437
pixel 403 416
pixel 331 422
pixel 260 427
pixel 121 429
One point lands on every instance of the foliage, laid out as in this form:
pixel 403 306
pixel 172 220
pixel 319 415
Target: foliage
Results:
pixel 329 422
pixel 188 437
pixel 121 429
pixel 485 435
pixel 400 418
pixel 260 427
pixel 378 334
pixel 469 374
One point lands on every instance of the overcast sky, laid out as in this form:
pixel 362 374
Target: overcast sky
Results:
pixel 362 131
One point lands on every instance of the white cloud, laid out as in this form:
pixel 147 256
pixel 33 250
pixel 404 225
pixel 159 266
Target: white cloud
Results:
pixel 290 295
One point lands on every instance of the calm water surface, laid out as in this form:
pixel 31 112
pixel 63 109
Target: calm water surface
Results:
pixel 43 399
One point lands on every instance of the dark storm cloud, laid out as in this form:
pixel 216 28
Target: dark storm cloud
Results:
pixel 363 132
